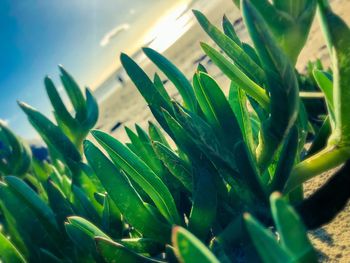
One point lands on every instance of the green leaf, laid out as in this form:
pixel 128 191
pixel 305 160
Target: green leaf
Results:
pixel 32 200
pixel 292 231
pixel 232 49
pixel 142 245
pixel 15 154
pixel 87 227
pixel 289 22
pixel 285 162
pixel 248 171
pixel 265 243
pixel 84 205
pixel 189 249
pixel 204 208
pixel 179 134
pixel 177 167
pixel 174 74
pixel 154 163
pixel 58 203
pixel 238 102
pixel 92 110
pixel 142 82
pixel 283 85
pixel 156 134
pixel 321 138
pixel 141 174
pixel 238 77
pixel 337 35
pixel 325 83
pixel 205 140
pixel 28 226
pixel 229 30
pixel 158 83
pixel 201 68
pixel 216 108
pixel 82 233
pixel 8 252
pixel 126 198
pixel 58 105
pixel 143 149
pixel 52 135
pixel 112 221
pixel 74 93
pixel 115 252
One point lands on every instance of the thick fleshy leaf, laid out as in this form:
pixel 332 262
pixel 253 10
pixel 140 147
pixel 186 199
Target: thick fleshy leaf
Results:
pixel 174 74
pixel 248 171
pixel 289 21
pixel 204 206
pixel 74 93
pixel 283 85
pixel 115 252
pixel 142 245
pixel 156 134
pixel 83 204
pixel 189 249
pixel 142 147
pixel 232 49
pixel 82 233
pixel 15 154
pixel 321 138
pixel 177 167
pixel 158 83
pixel 8 252
pixel 291 230
pixel 126 198
pixel 238 102
pixel 58 203
pixel 141 174
pixel 216 108
pixel 154 162
pixel 28 227
pixel 112 221
pixel 325 82
pixel 286 161
pixel 32 200
pixel 205 139
pixel 265 242
pixel 229 30
pixel 52 135
pixel 144 84
pixel 238 77
pixel 337 35
pixel 92 110
pixel 58 105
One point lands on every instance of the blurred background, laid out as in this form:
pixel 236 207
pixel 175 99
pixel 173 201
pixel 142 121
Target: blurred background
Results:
pixel 86 37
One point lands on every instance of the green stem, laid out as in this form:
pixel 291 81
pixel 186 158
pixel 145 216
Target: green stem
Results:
pixel 328 158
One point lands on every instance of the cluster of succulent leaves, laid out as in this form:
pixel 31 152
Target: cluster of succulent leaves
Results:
pixel 202 186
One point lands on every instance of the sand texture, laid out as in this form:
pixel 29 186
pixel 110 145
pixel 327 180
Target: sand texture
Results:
pixel 125 107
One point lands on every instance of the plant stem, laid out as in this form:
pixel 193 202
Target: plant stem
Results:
pixel 330 157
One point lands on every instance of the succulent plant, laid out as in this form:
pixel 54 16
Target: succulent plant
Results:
pixel 206 191
pixel 15 155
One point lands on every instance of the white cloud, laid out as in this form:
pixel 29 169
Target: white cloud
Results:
pixel 113 33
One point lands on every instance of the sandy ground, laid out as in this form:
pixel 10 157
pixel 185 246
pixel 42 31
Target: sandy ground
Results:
pixel 126 106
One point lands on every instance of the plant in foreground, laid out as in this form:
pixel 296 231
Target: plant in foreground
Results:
pixel 224 160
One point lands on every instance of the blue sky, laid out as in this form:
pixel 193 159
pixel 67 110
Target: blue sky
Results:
pixel 37 35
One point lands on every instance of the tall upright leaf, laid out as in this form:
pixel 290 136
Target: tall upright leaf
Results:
pixel 176 76
pixel 125 197
pixel 283 84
